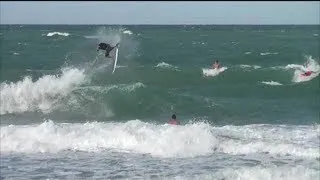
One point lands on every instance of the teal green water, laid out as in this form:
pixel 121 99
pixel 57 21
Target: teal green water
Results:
pixel 160 73
pixel 64 115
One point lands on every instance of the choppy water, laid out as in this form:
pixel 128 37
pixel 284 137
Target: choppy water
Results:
pixel 64 115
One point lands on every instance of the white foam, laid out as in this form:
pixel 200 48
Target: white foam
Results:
pixel 165 65
pixel 127 32
pixel 315 34
pixel 248 52
pixel 121 66
pixel 278 67
pixel 26 95
pixel 58 33
pixel 19 43
pixel 235 43
pixel 213 72
pixel 158 140
pixel 199 42
pixel 15 53
pixel 310 65
pixel 272 83
pixel 262 173
pixel 268 53
pixel 245 66
pixel 94 37
pixel 256 67
pixel 161 140
pixel 250 66
pixel 122 87
pixel 300 141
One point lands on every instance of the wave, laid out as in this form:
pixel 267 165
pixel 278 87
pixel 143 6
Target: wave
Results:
pixel 57 33
pixel 165 140
pixel 165 65
pixel 309 65
pixel 272 83
pixel 94 37
pixel 250 66
pixel 262 173
pixel 99 100
pixel 199 43
pixel 299 69
pixel 299 141
pixel 268 53
pixel 26 95
pixel 127 32
pixel 122 87
pixel 24 44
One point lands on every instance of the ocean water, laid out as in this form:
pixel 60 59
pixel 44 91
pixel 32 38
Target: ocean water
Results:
pixel 64 115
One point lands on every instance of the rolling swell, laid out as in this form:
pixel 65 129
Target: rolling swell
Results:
pixel 152 93
pixel 161 75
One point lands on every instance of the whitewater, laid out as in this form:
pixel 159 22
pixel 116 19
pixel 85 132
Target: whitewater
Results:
pixel 64 115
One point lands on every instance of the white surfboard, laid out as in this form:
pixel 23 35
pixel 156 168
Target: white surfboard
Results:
pixel 115 61
pixel 213 72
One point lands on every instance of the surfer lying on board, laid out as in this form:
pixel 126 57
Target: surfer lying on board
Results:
pixel 216 65
pixel 307 73
pixel 174 120
pixel 107 47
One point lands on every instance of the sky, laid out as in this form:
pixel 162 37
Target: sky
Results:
pixel 159 12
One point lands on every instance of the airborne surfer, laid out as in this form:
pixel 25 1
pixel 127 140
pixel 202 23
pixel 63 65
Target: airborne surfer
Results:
pixel 107 47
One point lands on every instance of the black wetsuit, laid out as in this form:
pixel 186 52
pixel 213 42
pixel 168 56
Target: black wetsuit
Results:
pixel 106 47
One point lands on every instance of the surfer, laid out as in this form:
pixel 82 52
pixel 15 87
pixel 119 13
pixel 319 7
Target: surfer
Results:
pixel 216 65
pixel 107 47
pixel 174 120
pixel 307 73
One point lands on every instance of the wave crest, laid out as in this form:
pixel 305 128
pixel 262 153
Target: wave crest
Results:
pixel 58 33
pixel 26 95
pixel 162 140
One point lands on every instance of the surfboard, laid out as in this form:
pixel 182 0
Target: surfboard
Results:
pixel 115 61
pixel 213 72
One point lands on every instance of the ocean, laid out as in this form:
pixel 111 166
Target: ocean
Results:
pixel 65 115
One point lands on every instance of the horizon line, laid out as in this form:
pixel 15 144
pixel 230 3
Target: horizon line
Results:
pixel 161 24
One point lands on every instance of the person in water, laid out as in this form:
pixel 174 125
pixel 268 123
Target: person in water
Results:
pixel 107 47
pixel 216 65
pixel 307 73
pixel 174 120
